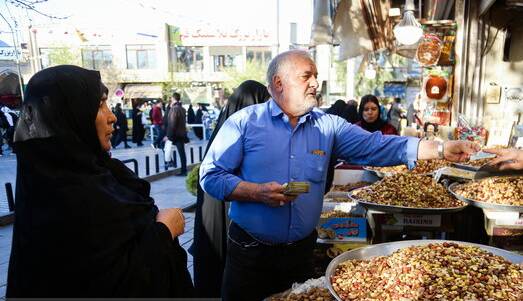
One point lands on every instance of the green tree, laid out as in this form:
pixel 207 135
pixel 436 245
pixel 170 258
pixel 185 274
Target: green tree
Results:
pixel 64 55
pixel 254 70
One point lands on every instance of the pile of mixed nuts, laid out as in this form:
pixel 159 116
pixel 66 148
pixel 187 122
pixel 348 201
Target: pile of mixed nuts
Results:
pixel 408 190
pixel 497 190
pixel 442 271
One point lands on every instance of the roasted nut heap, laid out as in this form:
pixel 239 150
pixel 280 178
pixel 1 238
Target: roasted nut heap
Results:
pixel 350 186
pixel 443 271
pixel 408 190
pixel 497 190
pixel 315 293
pixel 335 213
pixel 422 167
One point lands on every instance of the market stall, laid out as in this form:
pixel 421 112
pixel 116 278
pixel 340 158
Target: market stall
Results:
pixel 408 219
pixel 442 231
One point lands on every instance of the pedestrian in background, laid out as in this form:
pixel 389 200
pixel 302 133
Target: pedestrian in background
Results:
pixel 211 220
pixel 351 114
pixel 396 113
pixel 191 117
pixel 138 128
pixel 11 118
pixel 157 122
pixel 371 121
pixel 337 108
pixel 198 131
pixel 120 127
pixel 85 224
pixel 176 132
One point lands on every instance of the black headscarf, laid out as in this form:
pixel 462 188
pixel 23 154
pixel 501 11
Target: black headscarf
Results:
pixel 351 112
pixel 376 125
pixel 85 225
pixel 338 108
pixel 250 92
pixel 211 220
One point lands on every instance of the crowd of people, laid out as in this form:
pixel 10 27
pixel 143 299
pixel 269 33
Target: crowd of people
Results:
pixel 86 226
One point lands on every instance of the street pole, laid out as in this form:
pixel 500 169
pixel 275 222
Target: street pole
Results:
pixel 15 42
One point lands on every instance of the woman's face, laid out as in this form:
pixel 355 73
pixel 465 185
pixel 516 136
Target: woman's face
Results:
pixel 104 124
pixel 370 112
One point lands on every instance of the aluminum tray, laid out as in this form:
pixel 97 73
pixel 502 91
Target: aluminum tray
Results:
pixel 382 174
pixel 402 209
pixel 485 205
pixel 388 248
pixel 378 173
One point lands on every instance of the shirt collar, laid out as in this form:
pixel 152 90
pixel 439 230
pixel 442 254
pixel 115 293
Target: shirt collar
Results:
pixel 274 108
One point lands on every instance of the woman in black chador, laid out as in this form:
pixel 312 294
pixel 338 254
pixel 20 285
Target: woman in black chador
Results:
pixel 85 225
pixel 138 129
pixel 211 220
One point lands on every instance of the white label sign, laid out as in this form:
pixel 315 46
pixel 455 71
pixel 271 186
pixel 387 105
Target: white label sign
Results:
pixel 8 53
pixel 418 220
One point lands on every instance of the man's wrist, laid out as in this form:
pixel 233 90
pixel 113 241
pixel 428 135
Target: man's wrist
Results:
pixel 441 150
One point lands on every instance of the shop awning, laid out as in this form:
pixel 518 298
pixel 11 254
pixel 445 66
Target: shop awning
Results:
pixel 359 27
pixel 143 91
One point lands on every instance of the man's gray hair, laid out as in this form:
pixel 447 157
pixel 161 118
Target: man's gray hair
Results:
pixel 280 62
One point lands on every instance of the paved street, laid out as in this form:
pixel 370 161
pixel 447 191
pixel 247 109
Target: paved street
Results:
pixel 168 192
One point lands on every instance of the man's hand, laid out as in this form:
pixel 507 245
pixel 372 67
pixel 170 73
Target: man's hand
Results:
pixel 458 151
pixel 174 220
pixel 507 158
pixel 268 193
pixel 272 194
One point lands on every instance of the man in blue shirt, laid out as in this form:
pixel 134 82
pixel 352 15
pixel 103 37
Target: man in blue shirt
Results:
pixel 287 139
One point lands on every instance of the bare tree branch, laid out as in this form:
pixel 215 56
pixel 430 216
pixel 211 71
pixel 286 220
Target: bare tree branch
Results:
pixel 31 5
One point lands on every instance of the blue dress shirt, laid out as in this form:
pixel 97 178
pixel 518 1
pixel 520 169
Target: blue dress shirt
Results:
pixel 258 145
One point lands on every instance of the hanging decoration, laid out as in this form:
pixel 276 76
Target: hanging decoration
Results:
pixel 429 50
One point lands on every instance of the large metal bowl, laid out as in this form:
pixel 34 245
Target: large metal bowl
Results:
pixel 480 204
pixel 402 209
pixel 390 247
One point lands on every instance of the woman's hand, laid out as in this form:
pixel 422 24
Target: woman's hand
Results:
pixel 507 158
pixel 174 220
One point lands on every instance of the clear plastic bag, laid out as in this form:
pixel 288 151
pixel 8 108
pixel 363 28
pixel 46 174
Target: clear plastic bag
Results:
pixel 429 50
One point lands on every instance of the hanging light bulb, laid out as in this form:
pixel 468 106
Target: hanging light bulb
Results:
pixel 408 31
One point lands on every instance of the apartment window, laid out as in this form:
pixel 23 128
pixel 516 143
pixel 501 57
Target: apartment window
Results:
pixel 96 59
pixel 223 61
pixel 262 55
pixel 141 56
pixel 187 59
pixel 225 56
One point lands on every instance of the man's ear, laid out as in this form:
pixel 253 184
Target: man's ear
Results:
pixel 277 83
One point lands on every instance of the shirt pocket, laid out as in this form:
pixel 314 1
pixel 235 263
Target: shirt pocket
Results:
pixel 315 167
